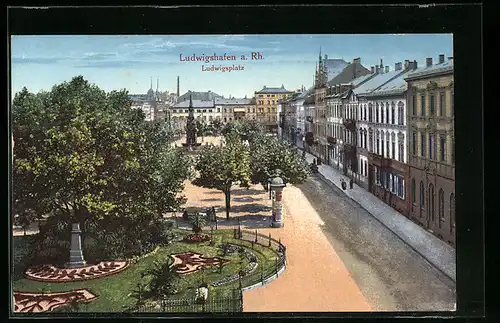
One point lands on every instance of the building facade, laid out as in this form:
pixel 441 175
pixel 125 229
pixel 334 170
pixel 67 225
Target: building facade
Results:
pixel 431 148
pixel 387 163
pixel 266 101
pixel 235 109
pixel 204 111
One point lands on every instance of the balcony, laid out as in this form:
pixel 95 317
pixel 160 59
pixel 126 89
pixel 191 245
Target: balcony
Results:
pixel 331 140
pixel 350 124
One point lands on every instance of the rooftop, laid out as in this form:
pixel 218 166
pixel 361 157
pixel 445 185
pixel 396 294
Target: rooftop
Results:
pixel 233 101
pixel 377 81
pixel 397 85
pixel 446 66
pixel 196 104
pixel 348 73
pixel 334 66
pixel 273 90
pixel 205 96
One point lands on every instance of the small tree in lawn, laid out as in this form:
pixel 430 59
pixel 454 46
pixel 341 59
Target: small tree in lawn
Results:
pixel 198 222
pixel 217 126
pixel 221 167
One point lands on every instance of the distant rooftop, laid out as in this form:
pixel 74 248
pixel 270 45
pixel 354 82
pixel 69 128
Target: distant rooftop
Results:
pixel 395 86
pixel 196 104
pixel 334 67
pixel 232 101
pixel 205 96
pixel 273 90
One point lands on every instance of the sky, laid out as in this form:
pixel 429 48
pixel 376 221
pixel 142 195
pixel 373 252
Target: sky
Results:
pixel 115 62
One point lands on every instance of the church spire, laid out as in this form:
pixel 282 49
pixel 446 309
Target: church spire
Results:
pixel 157 84
pixel 151 86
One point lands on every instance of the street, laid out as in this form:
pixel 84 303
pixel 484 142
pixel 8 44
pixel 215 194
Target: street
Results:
pixel 389 273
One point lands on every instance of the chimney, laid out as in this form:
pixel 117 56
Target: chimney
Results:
pixel 376 68
pixel 398 66
pixel 373 69
pixel 407 63
pixel 415 65
pixel 387 69
pixel 428 61
pixel 326 57
pixel 356 60
pixel 450 58
pixel 441 58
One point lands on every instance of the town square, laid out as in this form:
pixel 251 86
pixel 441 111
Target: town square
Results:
pixel 326 184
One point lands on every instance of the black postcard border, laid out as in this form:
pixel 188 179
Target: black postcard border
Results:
pixel 464 21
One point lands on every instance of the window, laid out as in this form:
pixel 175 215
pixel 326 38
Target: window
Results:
pixel 442 104
pixel 365 146
pixel 414 105
pixel 401 113
pixel 225 119
pixel 366 168
pixel 422 105
pixel 370 112
pixel 401 187
pixel 422 145
pixel 442 148
pixel 414 143
pixel 382 113
pixel 268 102
pixel 432 106
pixel 225 110
pixel 387 144
pixel 378 144
pixel 431 202
pixel 393 113
pixel 422 195
pixel 186 111
pixel 272 95
pixel 377 113
pixel 260 95
pixel 413 194
pixel 441 207
pixel 401 151
pixel 370 142
pixel 377 176
pixel 452 213
pixel 393 151
pixel 386 113
pixel 253 110
pixel 431 147
pixel 268 95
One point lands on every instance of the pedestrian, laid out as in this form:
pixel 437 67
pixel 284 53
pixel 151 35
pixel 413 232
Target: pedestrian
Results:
pixel 351 184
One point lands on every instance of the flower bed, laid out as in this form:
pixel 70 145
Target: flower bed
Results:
pixel 196 238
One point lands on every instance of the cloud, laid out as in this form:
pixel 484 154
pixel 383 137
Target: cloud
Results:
pixel 98 56
pixel 37 60
pixel 122 64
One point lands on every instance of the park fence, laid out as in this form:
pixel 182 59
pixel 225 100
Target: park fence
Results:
pixel 263 273
pixel 228 303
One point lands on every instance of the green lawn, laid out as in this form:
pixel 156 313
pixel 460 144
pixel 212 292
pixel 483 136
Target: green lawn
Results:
pixel 114 291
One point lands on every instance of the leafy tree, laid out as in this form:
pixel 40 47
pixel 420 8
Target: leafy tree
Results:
pixel 217 126
pixel 220 167
pixel 83 154
pixel 197 223
pixel 269 155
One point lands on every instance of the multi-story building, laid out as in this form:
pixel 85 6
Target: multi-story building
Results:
pixel 330 72
pixel 150 103
pixel 431 148
pixel 288 115
pixel 266 101
pixel 235 109
pixel 387 164
pixel 203 111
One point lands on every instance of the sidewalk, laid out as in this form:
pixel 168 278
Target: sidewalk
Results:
pixel 437 252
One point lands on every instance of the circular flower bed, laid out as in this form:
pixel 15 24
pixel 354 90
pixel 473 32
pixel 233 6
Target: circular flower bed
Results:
pixel 196 237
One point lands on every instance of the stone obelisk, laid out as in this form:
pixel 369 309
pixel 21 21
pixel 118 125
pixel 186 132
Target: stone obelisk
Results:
pixel 75 253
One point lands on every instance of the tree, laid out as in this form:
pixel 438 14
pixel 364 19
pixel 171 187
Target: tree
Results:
pixel 269 154
pixel 220 167
pixel 84 154
pixel 217 126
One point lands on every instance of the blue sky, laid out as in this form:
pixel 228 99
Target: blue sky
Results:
pixel 117 62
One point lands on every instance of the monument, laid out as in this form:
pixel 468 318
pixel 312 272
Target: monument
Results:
pixel 75 253
pixel 191 130
pixel 277 186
